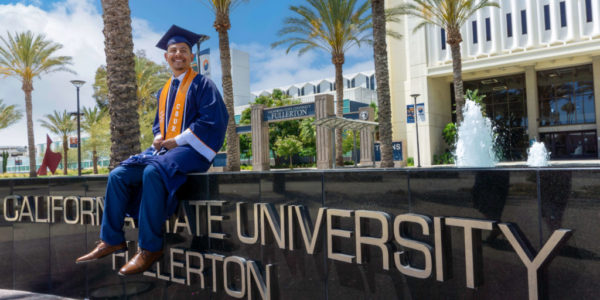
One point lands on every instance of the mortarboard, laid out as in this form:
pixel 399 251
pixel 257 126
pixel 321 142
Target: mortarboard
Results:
pixel 176 34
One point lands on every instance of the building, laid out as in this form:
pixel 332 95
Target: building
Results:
pixel 240 76
pixel 537 62
pixel 358 87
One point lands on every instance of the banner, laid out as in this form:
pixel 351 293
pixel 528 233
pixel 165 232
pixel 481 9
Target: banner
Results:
pixel 410 112
pixel 205 62
pixel 72 142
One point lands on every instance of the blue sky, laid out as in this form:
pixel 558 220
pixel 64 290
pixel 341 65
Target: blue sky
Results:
pixel 77 25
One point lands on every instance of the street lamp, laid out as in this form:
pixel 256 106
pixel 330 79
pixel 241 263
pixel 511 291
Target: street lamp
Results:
pixel 78 84
pixel 417 128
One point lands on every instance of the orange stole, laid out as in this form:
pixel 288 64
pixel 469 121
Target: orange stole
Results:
pixel 175 122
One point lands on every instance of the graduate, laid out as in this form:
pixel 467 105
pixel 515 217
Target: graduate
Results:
pixel 189 129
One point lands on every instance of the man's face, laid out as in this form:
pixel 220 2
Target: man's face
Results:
pixel 179 56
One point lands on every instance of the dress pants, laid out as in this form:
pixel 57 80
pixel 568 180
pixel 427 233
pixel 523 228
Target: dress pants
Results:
pixel 122 181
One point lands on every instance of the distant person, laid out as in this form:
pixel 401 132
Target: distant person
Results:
pixel 189 129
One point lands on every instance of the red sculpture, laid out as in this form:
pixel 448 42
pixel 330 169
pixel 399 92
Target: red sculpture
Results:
pixel 51 159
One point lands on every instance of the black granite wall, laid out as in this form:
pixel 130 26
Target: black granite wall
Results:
pixel 40 257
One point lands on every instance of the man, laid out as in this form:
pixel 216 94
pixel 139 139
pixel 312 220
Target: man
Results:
pixel 189 129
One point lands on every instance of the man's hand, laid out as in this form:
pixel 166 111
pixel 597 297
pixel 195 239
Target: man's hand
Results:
pixel 169 144
pixel 157 143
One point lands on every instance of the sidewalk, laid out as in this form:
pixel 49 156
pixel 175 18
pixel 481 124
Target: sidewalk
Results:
pixel 12 294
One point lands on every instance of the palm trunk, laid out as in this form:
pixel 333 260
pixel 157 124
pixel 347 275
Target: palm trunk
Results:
pixel 383 83
pixel 121 81
pixel 28 88
pixel 95 160
pixel 65 149
pixel 222 25
pixel 458 82
pixel 338 61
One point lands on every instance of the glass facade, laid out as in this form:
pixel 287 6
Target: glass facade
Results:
pixel 566 96
pixel 571 145
pixel 506 106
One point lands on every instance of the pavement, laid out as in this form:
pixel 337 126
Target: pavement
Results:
pixel 22 295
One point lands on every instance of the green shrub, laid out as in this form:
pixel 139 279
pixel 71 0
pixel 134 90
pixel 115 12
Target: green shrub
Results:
pixel 410 162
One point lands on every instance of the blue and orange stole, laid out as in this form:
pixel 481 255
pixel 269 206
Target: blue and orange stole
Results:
pixel 177 112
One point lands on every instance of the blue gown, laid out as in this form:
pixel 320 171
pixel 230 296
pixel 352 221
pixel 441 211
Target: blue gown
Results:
pixel 206 116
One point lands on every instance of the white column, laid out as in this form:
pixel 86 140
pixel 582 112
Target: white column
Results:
pixel 533 106
pixel 596 17
pixel 480 33
pixel 514 15
pixel 496 23
pixel 573 20
pixel 554 21
pixel 465 32
pixel 532 24
pixel 596 71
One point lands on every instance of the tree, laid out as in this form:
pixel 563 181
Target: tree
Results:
pixel 450 15
pixel 287 147
pixel 27 56
pixel 222 24
pixel 121 81
pixel 9 115
pixel 62 125
pixel 333 26
pixel 383 82
pixel 95 124
pixel 150 77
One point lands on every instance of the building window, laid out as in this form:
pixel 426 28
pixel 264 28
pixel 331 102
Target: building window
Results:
pixel 509 25
pixel 488 30
pixel 588 10
pixel 372 82
pixel 474 32
pixel 563 14
pixel 523 22
pixel 443 39
pixel 319 88
pixel 506 106
pixel 547 17
pixel 572 144
pixel 566 96
pixel 353 82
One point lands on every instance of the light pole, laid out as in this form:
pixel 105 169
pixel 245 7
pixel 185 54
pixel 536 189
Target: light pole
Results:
pixel 417 128
pixel 78 84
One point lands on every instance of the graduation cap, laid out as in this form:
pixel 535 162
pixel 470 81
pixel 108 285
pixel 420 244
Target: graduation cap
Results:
pixel 176 34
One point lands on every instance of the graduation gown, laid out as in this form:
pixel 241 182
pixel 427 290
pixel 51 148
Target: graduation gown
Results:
pixel 203 130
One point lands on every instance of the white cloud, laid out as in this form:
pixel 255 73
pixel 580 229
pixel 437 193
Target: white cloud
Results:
pixel 77 25
pixel 271 68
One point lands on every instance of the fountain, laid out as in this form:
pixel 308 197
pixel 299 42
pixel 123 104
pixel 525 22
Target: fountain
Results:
pixel 475 145
pixel 537 155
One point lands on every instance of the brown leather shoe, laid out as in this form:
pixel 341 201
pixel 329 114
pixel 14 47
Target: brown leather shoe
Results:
pixel 102 249
pixel 140 262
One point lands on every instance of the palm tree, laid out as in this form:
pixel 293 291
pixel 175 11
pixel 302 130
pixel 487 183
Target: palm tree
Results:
pixel 150 77
pixel 121 81
pixel 333 26
pixel 94 124
pixel 222 9
pixel 26 56
pixel 62 125
pixel 383 82
pixel 450 15
pixel 9 115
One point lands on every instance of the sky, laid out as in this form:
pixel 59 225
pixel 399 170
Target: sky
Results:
pixel 77 25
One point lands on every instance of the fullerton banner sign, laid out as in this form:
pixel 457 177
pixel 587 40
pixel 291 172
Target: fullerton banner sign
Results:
pixel 289 224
